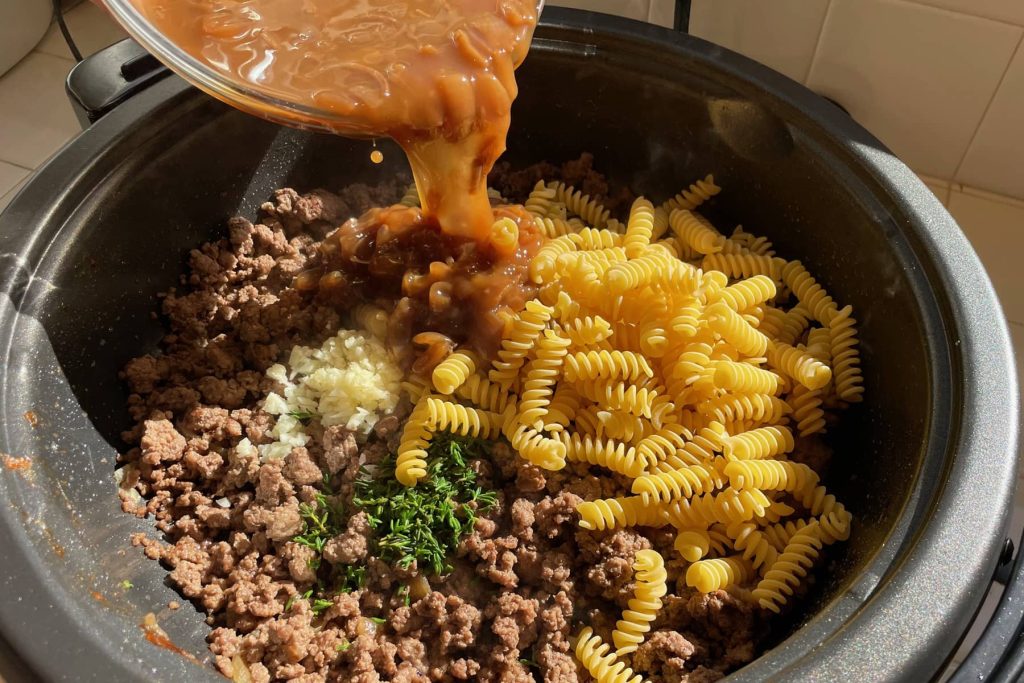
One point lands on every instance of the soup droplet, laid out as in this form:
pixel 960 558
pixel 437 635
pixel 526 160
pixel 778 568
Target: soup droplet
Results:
pixel 376 156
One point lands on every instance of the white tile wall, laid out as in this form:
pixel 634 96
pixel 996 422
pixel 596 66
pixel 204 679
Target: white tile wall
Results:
pixel 994 159
pixel 782 34
pixel 661 12
pixel 996 229
pixel 37 118
pixel 89 25
pixel 919 78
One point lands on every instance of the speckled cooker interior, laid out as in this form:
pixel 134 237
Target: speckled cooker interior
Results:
pixel 923 462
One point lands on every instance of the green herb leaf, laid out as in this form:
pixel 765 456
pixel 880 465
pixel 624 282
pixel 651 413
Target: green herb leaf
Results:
pixel 423 524
pixel 126 585
pixel 378 620
pixel 291 601
pixel 302 416
pixel 343 646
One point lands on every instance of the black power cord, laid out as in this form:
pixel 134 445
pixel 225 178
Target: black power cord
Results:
pixel 682 22
pixel 65 32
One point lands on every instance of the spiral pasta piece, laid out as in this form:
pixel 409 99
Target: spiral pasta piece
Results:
pixel 810 294
pixel 771 475
pixel 587 331
pixel 835 525
pixel 727 507
pixel 745 378
pixel 846 357
pixel 607 365
pixel 654 266
pixel 479 390
pixel 541 375
pixel 591 238
pixel 662 443
pixel 744 265
pixel 543 202
pixel 504 236
pixel 543 452
pixel 708 576
pixel 608 453
pixel 411 460
pixel 563 408
pixel 747 293
pixel 624 426
pixel 696 232
pixel 791 566
pixel 520 340
pixel 639 228
pixel 651 586
pixel 618 395
pixel 755 245
pixel 603 666
pixel 590 210
pixel 779 534
pixel 760 408
pixel 554 225
pixel 684 482
pixel 754 545
pixel 601 260
pixel 615 513
pixel 807 410
pixel 693 196
pixel 759 444
pixel 686 320
pixel 463 420
pixel 453 371
pixel 737 331
pixel 800 365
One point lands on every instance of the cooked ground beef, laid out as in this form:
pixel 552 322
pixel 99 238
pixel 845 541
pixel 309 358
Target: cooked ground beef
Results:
pixel 524 580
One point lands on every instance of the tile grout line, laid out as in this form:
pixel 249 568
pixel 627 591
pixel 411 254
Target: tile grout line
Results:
pixel 817 43
pixel 965 13
pixel 17 165
pixel 988 106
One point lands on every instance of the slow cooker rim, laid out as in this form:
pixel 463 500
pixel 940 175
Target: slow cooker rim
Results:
pixel 983 336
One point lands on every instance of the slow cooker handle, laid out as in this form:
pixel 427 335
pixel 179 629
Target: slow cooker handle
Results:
pixel 998 655
pixel 102 81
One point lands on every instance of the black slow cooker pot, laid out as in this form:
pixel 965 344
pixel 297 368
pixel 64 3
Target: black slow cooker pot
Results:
pixel 926 464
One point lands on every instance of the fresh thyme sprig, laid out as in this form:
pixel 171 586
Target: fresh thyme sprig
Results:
pixel 424 523
pixel 322 520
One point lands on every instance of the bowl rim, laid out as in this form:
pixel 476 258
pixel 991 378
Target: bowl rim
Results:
pixel 887 624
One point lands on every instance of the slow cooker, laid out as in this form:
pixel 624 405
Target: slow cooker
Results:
pixel 927 464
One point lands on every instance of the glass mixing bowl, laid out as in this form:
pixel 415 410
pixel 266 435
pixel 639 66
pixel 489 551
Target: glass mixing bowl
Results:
pixel 218 84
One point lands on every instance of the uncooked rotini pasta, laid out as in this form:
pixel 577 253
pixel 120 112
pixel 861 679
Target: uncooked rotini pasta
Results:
pixel 708 576
pixel 540 377
pixel 693 196
pixel 696 232
pixel 614 513
pixel 453 371
pixel 603 666
pixel 650 576
pixel 590 210
pixel 464 420
pixel 791 566
pixel 662 358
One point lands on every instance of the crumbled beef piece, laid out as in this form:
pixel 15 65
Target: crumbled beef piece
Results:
pixel 161 442
pixel 341 449
pixel 352 546
pixel 300 469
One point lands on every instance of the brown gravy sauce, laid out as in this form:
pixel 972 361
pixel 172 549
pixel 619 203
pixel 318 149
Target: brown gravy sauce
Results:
pixel 435 75
pixel 440 290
